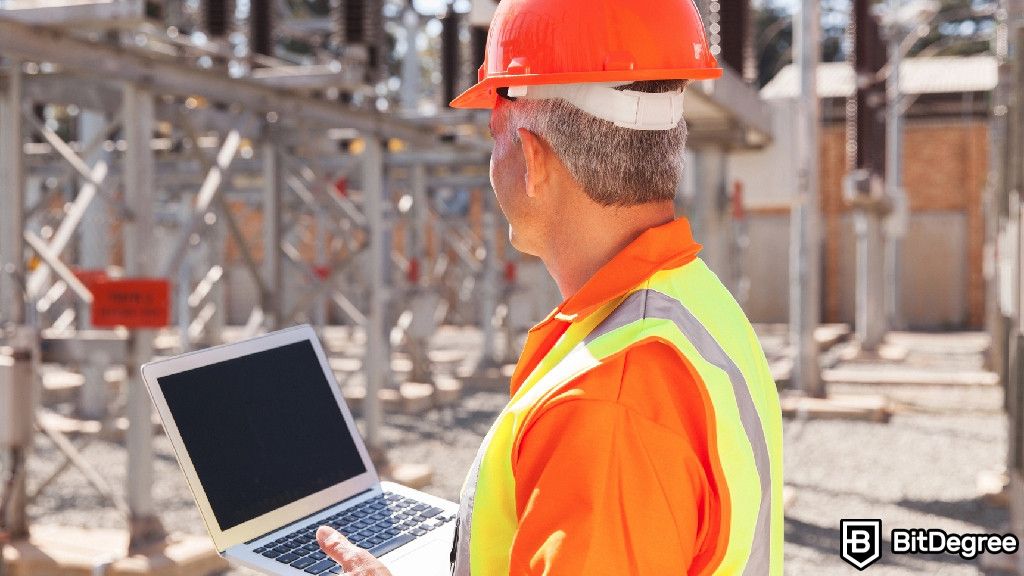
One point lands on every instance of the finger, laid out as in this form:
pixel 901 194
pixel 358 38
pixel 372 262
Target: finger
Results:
pixel 353 559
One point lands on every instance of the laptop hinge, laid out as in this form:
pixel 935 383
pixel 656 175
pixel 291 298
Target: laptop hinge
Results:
pixel 308 516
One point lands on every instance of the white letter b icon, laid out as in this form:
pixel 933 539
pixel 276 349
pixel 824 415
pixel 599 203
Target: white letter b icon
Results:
pixel 860 542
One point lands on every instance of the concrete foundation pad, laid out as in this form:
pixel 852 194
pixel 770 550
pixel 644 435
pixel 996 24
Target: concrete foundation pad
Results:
pixel 447 391
pixel 347 365
pixel 446 360
pixel 993 488
pixel 872 408
pixel 886 352
pixel 899 375
pixel 111 430
pixel 415 476
pixel 60 386
pixel 782 371
pixel 495 378
pixel 409 398
pixel 69 551
pixel 416 397
pixel 828 335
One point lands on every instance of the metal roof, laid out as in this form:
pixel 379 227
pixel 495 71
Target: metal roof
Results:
pixel 935 75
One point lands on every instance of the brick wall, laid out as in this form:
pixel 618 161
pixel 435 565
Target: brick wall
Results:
pixel 945 168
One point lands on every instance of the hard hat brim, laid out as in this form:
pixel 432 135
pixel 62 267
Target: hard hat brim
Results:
pixel 484 94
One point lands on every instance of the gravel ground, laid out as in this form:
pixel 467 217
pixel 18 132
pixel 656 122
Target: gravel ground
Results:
pixel 918 470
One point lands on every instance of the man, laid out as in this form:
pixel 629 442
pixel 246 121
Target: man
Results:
pixel 643 435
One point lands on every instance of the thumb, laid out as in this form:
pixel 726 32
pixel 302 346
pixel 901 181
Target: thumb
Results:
pixel 353 559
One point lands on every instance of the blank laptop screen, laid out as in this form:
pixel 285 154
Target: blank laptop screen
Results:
pixel 263 430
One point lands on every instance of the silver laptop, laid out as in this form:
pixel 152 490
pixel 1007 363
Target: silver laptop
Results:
pixel 271 452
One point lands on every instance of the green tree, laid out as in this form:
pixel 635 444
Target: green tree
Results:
pixel 961 27
pixel 774 34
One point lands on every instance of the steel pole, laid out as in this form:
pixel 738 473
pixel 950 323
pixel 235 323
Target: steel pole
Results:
pixel 13 515
pixel 93 233
pixel 143 524
pixel 489 294
pixel 378 361
pixel 319 315
pixel 272 298
pixel 12 181
pixel 183 285
pixel 421 220
pixel 896 223
pixel 411 92
pixel 805 241
pixel 214 257
pixel 1015 187
pixel 870 292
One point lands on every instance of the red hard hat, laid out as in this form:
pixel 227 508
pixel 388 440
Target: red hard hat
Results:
pixel 533 42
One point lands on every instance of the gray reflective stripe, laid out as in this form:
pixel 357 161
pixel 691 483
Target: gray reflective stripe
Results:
pixel 652 304
pixel 464 525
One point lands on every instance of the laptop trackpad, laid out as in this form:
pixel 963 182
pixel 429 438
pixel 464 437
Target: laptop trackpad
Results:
pixel 429 558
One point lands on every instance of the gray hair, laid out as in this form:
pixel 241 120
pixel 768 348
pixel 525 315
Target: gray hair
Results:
pixel 615 166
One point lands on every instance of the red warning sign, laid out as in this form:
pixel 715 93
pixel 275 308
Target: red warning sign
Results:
pixel 133 303
pixel 92 277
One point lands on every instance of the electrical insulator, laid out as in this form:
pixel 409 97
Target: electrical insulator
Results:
pixel 362 23
pixel 352 21
pixel 217 16
pixel 479 42
pixel 261 27
pixel 450 55
pixel 734 36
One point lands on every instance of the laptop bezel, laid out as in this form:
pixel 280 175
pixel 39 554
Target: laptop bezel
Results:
pixel 275 519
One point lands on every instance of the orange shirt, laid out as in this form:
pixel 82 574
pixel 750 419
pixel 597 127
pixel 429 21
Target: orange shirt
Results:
pixel 618 473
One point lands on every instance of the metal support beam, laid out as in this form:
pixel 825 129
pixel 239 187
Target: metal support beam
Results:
pixel 489 276
pixel 210 188
pixel 183 282
pixel 13 516
pixel 805 243
pixel 170 77
pixel 896 223
pixel 870 318
pixel 421 219
pixel 378 358
pixel 214 260
pixel 12 184
pixel 143 524
pixel 319 315
pixel 411 92
pixel 94 231
pixel 273 188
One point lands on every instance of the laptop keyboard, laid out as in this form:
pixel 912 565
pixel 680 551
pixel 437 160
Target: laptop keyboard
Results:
pixel 380 524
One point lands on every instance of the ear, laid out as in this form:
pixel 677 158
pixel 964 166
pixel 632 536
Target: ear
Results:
pixel 536 153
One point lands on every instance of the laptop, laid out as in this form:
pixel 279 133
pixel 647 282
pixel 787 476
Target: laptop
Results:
pixel 271 452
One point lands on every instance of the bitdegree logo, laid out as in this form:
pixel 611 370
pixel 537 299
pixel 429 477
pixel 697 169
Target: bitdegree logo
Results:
pixel 861 542
pixel 936 541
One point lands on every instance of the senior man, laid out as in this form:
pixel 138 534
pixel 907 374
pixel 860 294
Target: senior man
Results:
pixel 643 434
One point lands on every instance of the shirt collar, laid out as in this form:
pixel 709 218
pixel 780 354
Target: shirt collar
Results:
pixel 659 248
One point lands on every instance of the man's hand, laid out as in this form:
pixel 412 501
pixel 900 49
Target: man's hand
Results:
pixel 353 559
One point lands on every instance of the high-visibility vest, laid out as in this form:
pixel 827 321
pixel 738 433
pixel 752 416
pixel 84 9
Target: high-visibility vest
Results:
pixel 690 309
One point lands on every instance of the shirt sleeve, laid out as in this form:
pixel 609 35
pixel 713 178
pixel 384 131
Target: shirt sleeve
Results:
pixel 610 477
